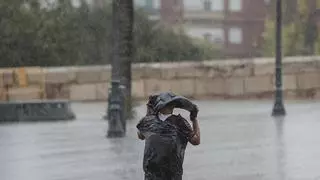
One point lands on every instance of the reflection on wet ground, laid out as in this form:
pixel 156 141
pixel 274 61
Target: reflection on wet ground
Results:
pixel 240 140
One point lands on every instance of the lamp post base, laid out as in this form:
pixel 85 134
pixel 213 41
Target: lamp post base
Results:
pixel 278 109
pixel 115 134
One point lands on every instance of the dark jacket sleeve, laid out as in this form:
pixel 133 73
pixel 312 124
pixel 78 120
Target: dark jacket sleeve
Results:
pixel 140 124
pixel 185 127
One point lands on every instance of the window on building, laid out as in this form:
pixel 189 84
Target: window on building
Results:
pixel 267 1
pixel 213 5
pixel 156 4
pixel 235 35
pixel 217 5
pixel 140 3
pixel 193 5
pixel 207 36
pixel 207 5
pixel 217 35
pixel 214 35
pixel 148 4
pixel 76 3
pixel 90 1
pixel 235 5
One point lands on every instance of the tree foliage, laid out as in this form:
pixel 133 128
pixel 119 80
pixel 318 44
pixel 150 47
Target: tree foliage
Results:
pixel 299 30
pixel 66 35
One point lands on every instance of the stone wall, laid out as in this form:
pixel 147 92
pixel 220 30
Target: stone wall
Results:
pixel 226 79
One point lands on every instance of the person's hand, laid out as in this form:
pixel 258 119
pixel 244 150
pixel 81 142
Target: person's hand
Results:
pixel 151 104
pixel 194 113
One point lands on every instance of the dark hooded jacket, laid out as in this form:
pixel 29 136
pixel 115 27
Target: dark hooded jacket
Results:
pixel 165 142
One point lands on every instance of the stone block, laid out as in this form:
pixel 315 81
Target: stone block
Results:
pixel 57 91
pixel 153 86
pixel 210 87
pixel 138 89
pixel 216 86
pixel 246 69
pixel 64 92
pixel 290 94
pixel 201 87
pixel 313 66
pixel 88 75
pixel 235 86
pixel 317 95
pixel 184 87
pixel 264 69
pixel 203 72
pixel 231 70
pixel 152 72
pixel 35 75
pixel 213 72
pixel 306 93
pixel 83 92
pixel 308 80
pixel 138 73
pixel 291 68
pixel 102 91
pixel 1 81
pixel 25 93
pixel 60 75
pixel 300 67
pixel 289 82
pixel 105 74
pixel 169 73
pixel 8 78
pixel 20 77
pixel 3 94
pixel 185 72
pixel 258 84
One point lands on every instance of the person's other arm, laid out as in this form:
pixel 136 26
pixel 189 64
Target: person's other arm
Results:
pixel 195 139
pixel 191 131
pixel 140 136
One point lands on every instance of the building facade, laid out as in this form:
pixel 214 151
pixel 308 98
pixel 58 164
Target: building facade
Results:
pixel 234 25
pixel 243 25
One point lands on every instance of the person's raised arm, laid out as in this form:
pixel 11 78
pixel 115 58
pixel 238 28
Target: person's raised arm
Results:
pixel 195 139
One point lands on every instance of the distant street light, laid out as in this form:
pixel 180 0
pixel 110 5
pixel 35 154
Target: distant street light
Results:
pixel 278 109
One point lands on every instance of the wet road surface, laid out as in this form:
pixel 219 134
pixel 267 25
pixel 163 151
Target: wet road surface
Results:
pixel 240 141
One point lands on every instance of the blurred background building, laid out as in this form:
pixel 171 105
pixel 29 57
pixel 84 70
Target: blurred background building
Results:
pixel 235 25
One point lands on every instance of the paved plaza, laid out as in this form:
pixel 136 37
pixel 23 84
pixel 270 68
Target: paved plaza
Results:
pixel 240 141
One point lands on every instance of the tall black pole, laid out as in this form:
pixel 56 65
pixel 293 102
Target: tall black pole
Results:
pixel 115 101
pixel 278 109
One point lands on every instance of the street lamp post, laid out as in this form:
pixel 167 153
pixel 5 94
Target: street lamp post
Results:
pixel 278 108
pixel 115 116
pixel 116 101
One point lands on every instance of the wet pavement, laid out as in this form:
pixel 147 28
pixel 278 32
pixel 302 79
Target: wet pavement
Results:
pixel 240 141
